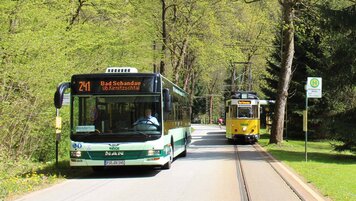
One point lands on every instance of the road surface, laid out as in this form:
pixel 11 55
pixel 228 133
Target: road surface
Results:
pixel 212 171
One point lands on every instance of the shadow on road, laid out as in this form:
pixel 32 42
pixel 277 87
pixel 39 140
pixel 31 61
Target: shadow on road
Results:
pixel 124 172
pixel 65 171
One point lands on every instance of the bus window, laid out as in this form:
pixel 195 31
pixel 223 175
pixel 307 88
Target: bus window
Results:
pixel 114 115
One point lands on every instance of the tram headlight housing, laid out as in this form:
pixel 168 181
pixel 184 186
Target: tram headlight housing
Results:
pixel 75 154
pixel 244 128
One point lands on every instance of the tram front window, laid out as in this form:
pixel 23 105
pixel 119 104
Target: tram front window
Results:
pixel 248 112
pixel 114 115
pixel 244 112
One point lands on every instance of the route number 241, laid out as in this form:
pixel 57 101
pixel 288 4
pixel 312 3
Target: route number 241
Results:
pixel 84 86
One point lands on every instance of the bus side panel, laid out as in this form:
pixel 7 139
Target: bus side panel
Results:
pixel 180 135
pixel 176 122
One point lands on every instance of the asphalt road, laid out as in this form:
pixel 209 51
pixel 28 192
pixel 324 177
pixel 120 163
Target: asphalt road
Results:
pixel 210 172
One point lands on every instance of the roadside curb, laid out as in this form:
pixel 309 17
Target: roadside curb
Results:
pixel 305 191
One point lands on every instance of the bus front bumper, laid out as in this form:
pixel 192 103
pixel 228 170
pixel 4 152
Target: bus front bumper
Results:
pixel 159 161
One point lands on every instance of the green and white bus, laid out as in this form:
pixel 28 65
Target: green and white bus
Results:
pixel 106 129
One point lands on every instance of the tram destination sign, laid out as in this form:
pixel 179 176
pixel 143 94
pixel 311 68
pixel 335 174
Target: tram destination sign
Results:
pixel 314 87
pixel 111 85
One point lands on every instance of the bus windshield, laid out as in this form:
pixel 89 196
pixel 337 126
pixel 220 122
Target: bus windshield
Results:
pixel 116 115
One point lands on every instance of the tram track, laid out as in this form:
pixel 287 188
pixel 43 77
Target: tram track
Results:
pixel 244 190
pixel 269 159
pixel 244 174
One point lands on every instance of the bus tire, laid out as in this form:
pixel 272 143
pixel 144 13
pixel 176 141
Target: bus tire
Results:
pixel 184 153
pixel 168 165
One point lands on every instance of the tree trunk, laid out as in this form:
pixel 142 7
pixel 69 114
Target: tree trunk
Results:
pixel 180 61
pixel 210 98
pixel 211 109
pixel 192 91
pixel 162 67
pixel 285 73
pixel 189 65
pixel 233 74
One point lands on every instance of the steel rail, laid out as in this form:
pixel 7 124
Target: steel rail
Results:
pixel 268 160
pixel 245 193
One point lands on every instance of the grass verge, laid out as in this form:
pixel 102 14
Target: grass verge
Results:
pixel 333 173
pixel 24 176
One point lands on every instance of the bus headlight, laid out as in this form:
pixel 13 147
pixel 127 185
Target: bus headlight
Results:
pixel 75 154
pixel 153 152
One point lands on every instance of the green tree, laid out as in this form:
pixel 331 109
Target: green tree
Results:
pixel 340 74
pixel 322 48
pixel 43 43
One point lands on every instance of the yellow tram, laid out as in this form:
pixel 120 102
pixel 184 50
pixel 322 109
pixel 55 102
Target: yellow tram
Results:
pixel 243 117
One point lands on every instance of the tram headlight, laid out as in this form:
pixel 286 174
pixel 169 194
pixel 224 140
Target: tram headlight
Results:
pixel 244 128
pixel 75 154
pixel 153 152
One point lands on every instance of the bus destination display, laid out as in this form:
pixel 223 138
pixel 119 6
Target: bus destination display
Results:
pixel 120 85
pixel 108 86
pixel 85 86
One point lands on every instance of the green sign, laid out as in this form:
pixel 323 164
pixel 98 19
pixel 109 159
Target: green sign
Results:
pixel 314 83
pixel 314 87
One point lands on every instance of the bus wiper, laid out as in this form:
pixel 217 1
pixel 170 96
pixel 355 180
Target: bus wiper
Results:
pixel 96 132
pixel 142 133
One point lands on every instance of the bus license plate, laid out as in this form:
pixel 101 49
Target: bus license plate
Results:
pixel 114 163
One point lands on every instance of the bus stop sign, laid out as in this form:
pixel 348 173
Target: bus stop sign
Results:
pixel 314 87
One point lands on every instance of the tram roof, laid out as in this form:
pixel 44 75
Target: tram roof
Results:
pixel 244 95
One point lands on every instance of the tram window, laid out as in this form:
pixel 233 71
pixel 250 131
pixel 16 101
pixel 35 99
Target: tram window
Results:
pixel 255 111
pixel 248 112
pixel 233 111
pixel 245 112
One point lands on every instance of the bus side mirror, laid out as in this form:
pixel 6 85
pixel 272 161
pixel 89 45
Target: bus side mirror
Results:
pixel 58 96
pixel 167 100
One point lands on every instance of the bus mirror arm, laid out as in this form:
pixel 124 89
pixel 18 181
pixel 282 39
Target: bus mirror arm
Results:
pixel 167 100
pixel 58 96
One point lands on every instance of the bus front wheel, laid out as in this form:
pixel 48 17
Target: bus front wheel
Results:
pixel 169 163
pixel 184 153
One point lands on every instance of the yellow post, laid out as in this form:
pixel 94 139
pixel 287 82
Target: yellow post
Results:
pixel 58 133
pixel 305 120
pixel 58 124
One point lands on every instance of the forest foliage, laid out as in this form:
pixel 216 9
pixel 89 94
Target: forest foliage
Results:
pixel 44 42
pixel 323 48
